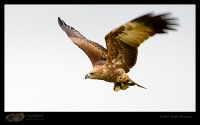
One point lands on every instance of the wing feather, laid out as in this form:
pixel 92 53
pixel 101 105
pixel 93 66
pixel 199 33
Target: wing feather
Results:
pixel 93 50
pixel 123 42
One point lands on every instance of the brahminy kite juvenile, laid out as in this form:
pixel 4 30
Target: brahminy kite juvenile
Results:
pixel 113 64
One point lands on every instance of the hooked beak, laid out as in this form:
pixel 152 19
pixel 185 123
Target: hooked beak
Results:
pixel 87 76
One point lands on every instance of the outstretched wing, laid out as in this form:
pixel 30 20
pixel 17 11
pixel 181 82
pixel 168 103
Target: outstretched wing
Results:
pixel 123 42
pixel 96 53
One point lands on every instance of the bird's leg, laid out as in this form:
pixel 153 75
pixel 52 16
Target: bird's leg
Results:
pixel 122 86
pixel 117 87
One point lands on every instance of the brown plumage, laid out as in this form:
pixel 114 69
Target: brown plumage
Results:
pixel 122 43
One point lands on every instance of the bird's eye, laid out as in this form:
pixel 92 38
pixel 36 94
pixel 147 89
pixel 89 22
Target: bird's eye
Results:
pixel 91 73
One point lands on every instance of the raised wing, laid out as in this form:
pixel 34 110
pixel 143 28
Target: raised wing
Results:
pixel 96 53
pixel 123 42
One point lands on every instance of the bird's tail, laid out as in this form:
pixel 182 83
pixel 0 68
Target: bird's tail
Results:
pixel 125 85
pixel 132 83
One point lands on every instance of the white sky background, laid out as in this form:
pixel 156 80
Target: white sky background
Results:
pixel 44 70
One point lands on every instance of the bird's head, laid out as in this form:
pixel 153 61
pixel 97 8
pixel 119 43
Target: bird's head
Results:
pixel 96 73
pixel 91 75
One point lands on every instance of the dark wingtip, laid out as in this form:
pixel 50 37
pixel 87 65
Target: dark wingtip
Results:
pixel 61 23
pixel 59 20
pixel 159 22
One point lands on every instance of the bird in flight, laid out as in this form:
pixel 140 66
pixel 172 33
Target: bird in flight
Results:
pixel 113 64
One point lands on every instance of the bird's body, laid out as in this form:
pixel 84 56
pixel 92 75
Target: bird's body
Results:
pixel 110 74
pixel 113 64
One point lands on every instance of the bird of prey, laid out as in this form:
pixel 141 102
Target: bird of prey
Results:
pixel 113 64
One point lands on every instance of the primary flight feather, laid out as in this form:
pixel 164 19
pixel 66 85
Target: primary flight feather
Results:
pixel 113 64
